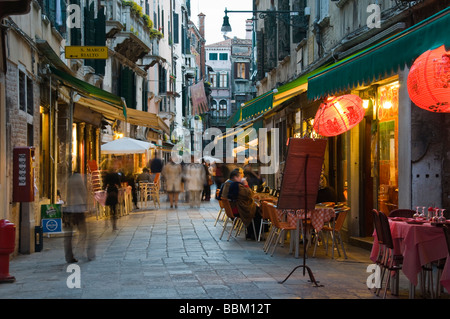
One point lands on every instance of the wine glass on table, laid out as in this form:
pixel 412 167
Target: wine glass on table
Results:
pixel 416 215
pixel 442 218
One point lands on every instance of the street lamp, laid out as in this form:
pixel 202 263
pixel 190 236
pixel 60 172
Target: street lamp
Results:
pixel 279 14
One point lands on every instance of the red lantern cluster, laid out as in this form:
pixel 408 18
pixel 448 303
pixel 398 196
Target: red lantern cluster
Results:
pixel 338 115
pixel 429 81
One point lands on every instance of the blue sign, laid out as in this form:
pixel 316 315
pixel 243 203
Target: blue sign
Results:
pixel 51 225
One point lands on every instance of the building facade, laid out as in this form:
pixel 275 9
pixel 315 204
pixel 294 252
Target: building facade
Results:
pixel 347 47
pixel 63 107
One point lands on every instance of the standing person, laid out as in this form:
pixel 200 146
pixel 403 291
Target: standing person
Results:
pixel 172 174
pixel 195 179
pixel 206 194
pixel 112 184
pixel 156 165
pixel 74 214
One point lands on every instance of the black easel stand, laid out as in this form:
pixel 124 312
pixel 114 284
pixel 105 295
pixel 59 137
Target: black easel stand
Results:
pixel 304 266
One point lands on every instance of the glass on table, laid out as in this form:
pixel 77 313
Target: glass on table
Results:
pixel 442 218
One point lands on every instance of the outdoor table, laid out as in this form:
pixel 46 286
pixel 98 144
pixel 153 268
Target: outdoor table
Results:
pixel 319 216
pixel 419 244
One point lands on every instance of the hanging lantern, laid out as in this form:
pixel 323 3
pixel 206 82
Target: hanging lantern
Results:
pixel 338 115
pixel 429 81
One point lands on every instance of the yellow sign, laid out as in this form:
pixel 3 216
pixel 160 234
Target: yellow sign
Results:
pixel 86 52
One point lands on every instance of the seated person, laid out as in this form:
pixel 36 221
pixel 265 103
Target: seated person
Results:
pixel 326 193
pixel 145 176
pixel 241 197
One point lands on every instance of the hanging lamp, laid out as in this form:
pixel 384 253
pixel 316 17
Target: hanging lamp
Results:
pixel 338 114
pixel 429 81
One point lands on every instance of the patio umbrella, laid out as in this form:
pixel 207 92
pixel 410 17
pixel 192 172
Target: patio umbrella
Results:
pixel 211 159
pixel 126 145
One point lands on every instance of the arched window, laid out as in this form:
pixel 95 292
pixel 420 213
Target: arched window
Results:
pixel 214 109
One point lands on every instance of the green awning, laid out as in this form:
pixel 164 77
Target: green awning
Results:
pixel 92 91
pixel 257 106
pixel 252 108
pixel 383 59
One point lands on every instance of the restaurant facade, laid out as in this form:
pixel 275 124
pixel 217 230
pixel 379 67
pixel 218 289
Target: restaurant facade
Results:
pixel 396 156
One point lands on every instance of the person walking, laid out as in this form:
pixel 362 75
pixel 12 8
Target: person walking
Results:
pixel 112 183
pixel 74 215
pixel 172 174
pixel 195 179
pixel 206 194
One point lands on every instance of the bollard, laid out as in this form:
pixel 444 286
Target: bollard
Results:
pixel 7 243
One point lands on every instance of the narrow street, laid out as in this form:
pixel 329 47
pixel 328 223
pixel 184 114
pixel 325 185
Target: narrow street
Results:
pixel 177 254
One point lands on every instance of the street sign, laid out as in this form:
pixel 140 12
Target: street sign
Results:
pixel 86 52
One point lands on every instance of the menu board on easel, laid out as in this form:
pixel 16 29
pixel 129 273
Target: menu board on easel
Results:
pixel 301 176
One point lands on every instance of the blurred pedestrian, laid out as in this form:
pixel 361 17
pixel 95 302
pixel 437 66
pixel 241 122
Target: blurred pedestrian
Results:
pixel 74 215
pixel 156 165
pixel 206 194
pixel 112 183
pixel 195 179
pixel 172 174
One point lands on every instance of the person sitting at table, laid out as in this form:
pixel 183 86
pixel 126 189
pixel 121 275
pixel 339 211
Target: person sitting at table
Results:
pixel 145 176
pixel 223 192
pixel 242 203
pixel 326 193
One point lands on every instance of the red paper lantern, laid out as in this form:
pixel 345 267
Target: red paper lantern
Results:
pixel 338 115
pixel 429 81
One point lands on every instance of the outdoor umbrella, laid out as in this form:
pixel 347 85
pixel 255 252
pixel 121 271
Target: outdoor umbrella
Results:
pixel 126 145
pixel 211 159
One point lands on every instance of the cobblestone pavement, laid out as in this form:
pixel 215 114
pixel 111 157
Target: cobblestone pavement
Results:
pixel 177 254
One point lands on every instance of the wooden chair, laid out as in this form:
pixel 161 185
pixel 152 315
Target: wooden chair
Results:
pixel 391 263
pixel 335 231
pixel 279 228
pixel 265 218
pixel 153 190
pixel 408 213
pixel 236 221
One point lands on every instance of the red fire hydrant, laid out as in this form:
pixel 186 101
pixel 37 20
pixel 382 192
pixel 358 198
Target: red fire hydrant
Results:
pixel 7 241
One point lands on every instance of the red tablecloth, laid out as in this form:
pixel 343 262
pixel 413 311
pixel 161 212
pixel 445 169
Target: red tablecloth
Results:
pixel 419 245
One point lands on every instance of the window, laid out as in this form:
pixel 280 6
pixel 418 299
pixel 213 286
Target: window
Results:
pixel 241 70
pixel 213 79
pixel 214 110
pixel 22 90
pixel 223 108
pixel 223 56
pixel 25 93
pixel 223 80
pixel 213 56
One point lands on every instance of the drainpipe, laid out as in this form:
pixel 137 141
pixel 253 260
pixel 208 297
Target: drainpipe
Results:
pixel 317 28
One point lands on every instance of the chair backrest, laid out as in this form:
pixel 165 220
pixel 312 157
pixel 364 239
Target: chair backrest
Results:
pixel 377 225
pixel 341 218
pixel 264 210
pixel 227 206
pixel 447 236
pixel 386 230
pixel 272 211
pixel 157 177
pixel 408 213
